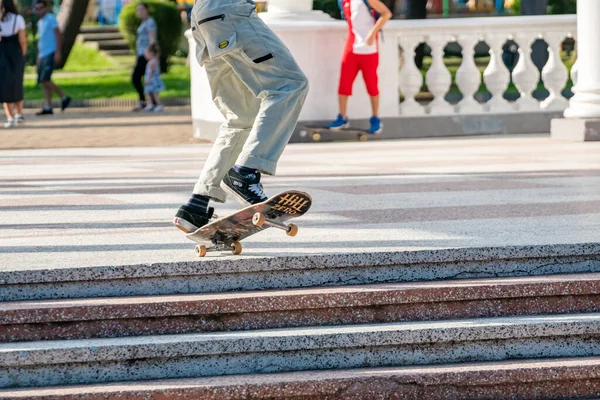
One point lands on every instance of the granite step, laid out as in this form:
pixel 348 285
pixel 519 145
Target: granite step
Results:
pixel 90 361
pixel 358 304
pixel 118 44
pixel 98 37
pixel 245 273
pixel 569 378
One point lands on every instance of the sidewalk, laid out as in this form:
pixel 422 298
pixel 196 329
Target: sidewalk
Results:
pixel 89 207
pixel 109 127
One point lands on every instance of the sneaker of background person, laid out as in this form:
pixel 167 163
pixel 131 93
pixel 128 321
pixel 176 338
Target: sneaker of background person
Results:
pixel 45 111
pixel 339 123
pixel 140 107
pixel 149 107
pixel 159 108
pixel 10 123
pixel 20 119
pixel 376 125
pixel 64 103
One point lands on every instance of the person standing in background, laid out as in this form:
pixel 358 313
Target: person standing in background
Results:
pixel 49 56
pixel 146 35
pixel 417 9
pixel 13 46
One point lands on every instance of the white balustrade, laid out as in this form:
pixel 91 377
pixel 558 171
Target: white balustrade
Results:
pixel 555 73
pixel 317 40
pixel 496 76
pixel 468 77
pixel 438 77
pixel 526 76
pixel 410 77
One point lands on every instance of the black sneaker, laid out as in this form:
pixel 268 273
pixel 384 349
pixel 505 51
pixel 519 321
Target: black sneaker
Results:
pixel 65 103
pixel 246 189
pixel 45 111
pixel 189 220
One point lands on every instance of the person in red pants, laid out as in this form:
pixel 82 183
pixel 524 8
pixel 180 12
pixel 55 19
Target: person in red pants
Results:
pixel 365 20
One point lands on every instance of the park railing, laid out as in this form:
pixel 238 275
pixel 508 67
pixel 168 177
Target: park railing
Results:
pixel 465 73
pixel 548 33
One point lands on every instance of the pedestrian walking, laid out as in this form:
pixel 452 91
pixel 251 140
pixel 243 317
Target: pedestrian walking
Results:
pixel 49 56
pixel 146 35
pixel 259 89
pixel 153 84
pixel 365 20
pixel 13 47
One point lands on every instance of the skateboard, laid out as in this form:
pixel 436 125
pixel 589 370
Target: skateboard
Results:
pixel 225 234
pixel 320 133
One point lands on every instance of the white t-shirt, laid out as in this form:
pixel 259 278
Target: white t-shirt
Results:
pixel 6 26
pixel 361 21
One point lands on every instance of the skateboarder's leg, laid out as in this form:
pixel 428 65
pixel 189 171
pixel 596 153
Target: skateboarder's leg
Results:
pixel 270 72
pixel 239 108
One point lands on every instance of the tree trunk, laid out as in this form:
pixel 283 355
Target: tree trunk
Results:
pixel 70 18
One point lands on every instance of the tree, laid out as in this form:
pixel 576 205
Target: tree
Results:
pixel 70 18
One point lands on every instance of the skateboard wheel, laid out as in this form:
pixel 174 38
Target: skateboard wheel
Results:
pixel 237 248
pixel 316 137
pixel 292 230
pixel 362 138
pixel 258 219
pixel 200 250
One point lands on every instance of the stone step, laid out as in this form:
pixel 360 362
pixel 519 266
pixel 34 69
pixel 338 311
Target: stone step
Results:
pixel 89 361
pixel 359 304
pixel 85 29
pixel 119 44
pixel 234 274
pixel 123 52
pixel 568 378
pixel 99 37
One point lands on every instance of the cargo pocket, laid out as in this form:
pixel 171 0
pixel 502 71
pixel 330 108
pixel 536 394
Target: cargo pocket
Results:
pixel 219 35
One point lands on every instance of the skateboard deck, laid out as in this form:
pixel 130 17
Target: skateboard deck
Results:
pixel 320 133
pixel 226 233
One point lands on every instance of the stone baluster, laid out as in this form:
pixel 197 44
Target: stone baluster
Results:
pixel 468 77
pixel 555 74
pixel 496 76
pixel 410 78
pixel 574 72
pixel 438 77
pixel 526 75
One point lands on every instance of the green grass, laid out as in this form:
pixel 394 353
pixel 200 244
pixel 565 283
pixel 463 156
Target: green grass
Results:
pixel 113 86
pixel 110 77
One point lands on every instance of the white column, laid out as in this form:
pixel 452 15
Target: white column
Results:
pixel 438 76
pixel 468 77
pixel 526 75
pixel 582 117
pixel 586 102
pixel 410 78
pixel 292 10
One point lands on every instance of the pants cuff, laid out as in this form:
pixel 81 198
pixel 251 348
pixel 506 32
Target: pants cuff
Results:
pixel 260 164
pixel 214 192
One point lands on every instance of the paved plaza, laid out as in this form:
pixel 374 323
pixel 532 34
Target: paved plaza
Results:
pixel 64 208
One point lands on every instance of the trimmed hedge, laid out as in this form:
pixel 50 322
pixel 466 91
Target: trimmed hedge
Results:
pixel 168 20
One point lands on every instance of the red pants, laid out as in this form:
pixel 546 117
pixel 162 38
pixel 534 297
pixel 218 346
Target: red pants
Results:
pixel 351 65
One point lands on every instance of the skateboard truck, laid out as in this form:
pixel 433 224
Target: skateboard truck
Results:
pixel 259 220
pixel 234 247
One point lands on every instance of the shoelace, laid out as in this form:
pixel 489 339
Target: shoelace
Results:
pixel 257 189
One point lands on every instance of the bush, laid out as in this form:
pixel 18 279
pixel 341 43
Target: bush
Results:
pixel 168 20
pixel 328 6
pixel 562 6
